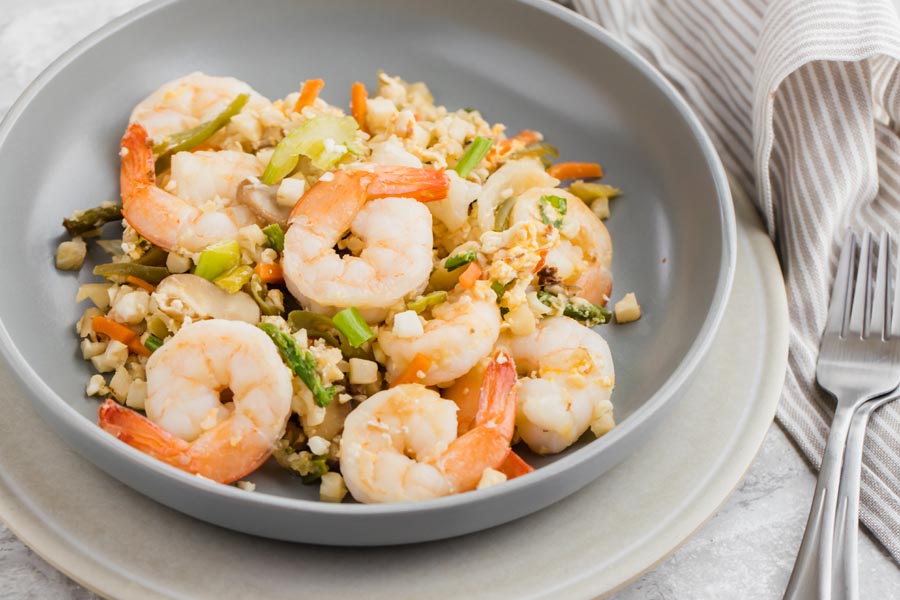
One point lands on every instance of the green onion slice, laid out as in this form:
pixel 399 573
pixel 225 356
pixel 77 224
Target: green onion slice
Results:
pixel 456 261
pixel 423 303
pixel 152 343
pixel 275 235
pixel 217 259
pixel 478 149
pixel 558 206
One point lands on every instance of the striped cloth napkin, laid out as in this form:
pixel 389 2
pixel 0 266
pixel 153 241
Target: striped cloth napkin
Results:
pixel 802 100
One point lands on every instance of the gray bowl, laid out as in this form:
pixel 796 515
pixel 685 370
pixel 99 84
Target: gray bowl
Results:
pixel 526 63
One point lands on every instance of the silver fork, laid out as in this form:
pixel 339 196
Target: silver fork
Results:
pixel 846 577
pixel 856 364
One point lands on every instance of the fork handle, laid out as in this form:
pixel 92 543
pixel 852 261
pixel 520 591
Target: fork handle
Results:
pixel 811 577
pixel 846 579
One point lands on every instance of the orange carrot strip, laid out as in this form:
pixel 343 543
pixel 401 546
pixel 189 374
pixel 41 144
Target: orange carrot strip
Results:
pixel 308 93
pixel 358 97
pixel 113 330
pixel 470 276
pixel 575 170
pixel 419 364
pixel 526 136
pixel 269 273
pixel 137 347
pixel 514 466
pixel 140 283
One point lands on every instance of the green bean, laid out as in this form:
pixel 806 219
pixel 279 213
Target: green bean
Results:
pixel 191 138
pixel 123 269
pixel 258 291
pixel 154 257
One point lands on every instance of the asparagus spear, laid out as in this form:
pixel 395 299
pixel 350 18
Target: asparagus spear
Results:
pixel 93 218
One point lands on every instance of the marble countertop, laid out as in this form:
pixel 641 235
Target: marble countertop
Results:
pixel 746 550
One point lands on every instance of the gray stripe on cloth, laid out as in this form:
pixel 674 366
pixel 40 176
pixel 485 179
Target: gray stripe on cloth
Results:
pixel 802 100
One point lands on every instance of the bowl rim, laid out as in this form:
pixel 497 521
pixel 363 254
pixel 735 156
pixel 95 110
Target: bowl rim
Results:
pixel 50 401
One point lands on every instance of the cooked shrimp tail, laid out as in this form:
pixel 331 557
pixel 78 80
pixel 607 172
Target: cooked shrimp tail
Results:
pixel 216 457
pixel 514 466
pixel 424 185
pixel 487 444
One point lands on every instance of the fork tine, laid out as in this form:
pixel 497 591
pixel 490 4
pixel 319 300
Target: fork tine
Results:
pixel 895 306
pixel 859 312
pixel 881 295
pixel 840 292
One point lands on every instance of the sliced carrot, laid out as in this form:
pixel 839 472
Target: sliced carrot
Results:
pixel 526 136
pixel 514 466
pixel 113 330
pixel 470 276
pixel 419 364
pixel 308 93
pixel 120 333
pixel 575 170
pixel 269 273
pixel 358 97
pixel 137 347
pixel 140 283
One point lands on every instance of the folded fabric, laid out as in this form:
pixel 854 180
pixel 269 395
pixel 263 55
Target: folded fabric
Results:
pixel 801 99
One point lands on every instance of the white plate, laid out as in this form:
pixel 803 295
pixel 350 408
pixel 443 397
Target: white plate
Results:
pixel 121 544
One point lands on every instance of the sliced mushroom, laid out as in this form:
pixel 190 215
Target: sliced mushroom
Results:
pixel 263 201
pixel 191 295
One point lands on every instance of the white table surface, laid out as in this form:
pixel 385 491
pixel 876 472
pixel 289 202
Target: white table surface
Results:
pixel 745 551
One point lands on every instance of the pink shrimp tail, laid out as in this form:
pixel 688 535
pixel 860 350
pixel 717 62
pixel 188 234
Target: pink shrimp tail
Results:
pixel 487 444
pixel 144 206
pixel 138 167
pixel 424 185
pixel 140 432
pixel 514 466
pixel 347 191
pixel 497 398
pixel 221 454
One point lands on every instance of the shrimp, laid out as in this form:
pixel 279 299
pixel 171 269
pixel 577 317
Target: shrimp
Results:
pixel 584 254
pixel 401 443
pixel 190 100
pixel 203 214
pixel 460 332
pixel 187 425
pixel 568 383
pixel 382 209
